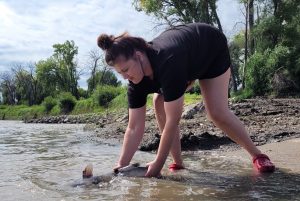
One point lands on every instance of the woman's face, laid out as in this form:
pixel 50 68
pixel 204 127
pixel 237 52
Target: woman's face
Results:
pixel 130 69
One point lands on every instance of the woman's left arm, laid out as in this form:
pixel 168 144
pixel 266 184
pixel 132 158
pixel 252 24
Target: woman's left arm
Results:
pixel 173 110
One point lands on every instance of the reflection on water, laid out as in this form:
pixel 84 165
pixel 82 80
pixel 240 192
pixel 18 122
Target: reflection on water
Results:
pixel 40 162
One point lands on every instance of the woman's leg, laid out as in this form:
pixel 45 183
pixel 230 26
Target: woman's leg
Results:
pixel 158 103
pixel 215 94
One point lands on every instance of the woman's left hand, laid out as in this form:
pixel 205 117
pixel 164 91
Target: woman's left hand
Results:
pixel 154 169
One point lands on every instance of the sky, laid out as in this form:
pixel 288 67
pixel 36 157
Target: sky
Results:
pixel 29 28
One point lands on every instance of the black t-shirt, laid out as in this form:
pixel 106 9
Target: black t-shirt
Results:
pixel 178 55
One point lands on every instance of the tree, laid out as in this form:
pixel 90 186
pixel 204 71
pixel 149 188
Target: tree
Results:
pixel 59 72
pixel 101 74
pixel 8 88
pixel 27 86
pixel 103 78
pixel 94 57
pixel 277 47
pixel 49 77
pixel 64 55
pixel 251 25
pixel 175 12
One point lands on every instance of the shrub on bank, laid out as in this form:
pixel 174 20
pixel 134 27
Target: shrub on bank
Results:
pixel 85 106
pixel 48 103
pixel 66 102
pixel 103 95
pixel 120 101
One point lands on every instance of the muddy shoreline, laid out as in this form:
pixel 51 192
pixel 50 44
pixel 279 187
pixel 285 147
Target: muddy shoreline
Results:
pixel 266 120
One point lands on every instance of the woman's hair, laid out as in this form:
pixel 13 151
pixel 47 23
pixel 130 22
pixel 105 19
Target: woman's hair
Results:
pixel 124 45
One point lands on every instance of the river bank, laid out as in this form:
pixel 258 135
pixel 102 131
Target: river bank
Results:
pixel 267 121
pixel 285 154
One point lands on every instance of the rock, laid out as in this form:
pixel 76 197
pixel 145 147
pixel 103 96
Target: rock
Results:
pixel 191 110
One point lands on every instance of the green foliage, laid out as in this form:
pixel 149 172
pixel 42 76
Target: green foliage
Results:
pixel 21 112
pixel 256 78
pixel 85 106
pixel 261 68
pixel 241 95
pixel 66 102
pixel 278 57
pixel 275 66
pixel 120 101
pixel 103 77
pixel 195 88
pixel 55 110
pixel 83 93
pixel 64 55
pixel 174 11
pixel 48 75
pixel 59 72
pixel 48 103
pixel 192 98
pixel 268 33
pixel 103 95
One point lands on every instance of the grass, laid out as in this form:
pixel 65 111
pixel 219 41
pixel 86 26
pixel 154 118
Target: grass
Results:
pixel 83 106
pixel 192 98
pixel 19 112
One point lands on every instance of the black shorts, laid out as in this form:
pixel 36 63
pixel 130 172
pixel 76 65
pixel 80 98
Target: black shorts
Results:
pixel 220 63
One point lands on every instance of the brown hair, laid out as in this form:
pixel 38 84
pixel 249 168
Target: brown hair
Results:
pixel 124 45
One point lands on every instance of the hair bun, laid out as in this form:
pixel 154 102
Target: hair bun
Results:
pixel 105 41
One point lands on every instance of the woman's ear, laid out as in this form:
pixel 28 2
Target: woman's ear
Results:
pixel 139 55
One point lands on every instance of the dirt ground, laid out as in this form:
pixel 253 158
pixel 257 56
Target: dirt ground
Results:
pixel 266 120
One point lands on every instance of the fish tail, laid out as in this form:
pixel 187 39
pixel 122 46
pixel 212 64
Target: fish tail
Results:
pixel 88 171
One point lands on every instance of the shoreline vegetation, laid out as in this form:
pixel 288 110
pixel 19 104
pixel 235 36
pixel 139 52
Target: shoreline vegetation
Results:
pixel 106 100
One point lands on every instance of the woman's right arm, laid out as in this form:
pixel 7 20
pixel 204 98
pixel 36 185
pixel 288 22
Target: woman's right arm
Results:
pixel 133 135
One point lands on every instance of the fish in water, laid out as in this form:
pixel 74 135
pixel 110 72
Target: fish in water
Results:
pixel 132 170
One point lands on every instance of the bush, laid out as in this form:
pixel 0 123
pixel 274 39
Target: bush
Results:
pixel 120 101
pixel 84 106
pixel 241 95
pixel 48 103
pixel 55 110
pixel 261 68
pixel 67 102
pixel 103 95
pixel 83 93
pixel 195 89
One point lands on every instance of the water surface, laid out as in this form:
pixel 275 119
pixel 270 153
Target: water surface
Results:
pixel 41 162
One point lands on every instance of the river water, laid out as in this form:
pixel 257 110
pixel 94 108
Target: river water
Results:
pixel 41 162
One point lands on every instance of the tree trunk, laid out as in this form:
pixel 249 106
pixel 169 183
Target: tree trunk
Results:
pixel 251 26
pixel 214 14
pixel 246 46
pixel 233 79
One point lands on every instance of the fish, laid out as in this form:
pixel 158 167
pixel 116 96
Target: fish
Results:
pixel 88 179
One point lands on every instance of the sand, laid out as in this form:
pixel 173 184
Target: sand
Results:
pixel 285 155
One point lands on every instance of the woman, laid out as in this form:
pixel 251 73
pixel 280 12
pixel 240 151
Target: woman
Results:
pixel 165 66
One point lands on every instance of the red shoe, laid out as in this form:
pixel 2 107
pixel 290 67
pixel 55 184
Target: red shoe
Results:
pixel 173 167
pixel 262 163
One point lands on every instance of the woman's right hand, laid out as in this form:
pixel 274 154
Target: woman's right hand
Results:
pixel 117 167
